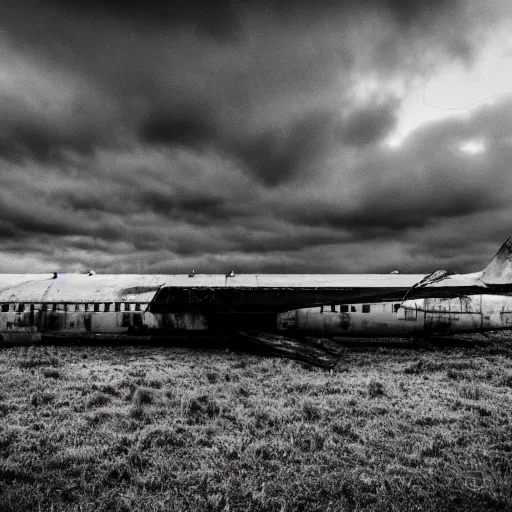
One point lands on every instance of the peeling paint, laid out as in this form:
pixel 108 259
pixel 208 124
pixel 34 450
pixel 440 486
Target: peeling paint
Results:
pixel 475 313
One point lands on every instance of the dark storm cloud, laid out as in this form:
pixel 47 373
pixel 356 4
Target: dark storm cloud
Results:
pixel 287 153
pixel 167 70
pixel 370 124
pixel 215 18
pixel 7 230
pixel 398 209
pixel 418 10
pixel 160 136
pixel 421 186
pixel 276 158
pixel 46 110
pixel 28 139
pixel 221 15
pixel 175 129
pixel 180 205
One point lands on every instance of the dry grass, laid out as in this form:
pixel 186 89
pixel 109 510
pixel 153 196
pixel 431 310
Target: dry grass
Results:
pixel 149 429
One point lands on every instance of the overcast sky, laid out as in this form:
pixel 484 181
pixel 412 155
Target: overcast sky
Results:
pixel 270 136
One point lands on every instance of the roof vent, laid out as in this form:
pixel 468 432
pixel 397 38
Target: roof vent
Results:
pixel 395 272
pixel 91 273
pixel 55 275
pixel 192 273
pixel 231 274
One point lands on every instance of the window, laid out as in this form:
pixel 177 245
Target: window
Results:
pixel 321 309
pixel 31 307
pixel 396 307
pixel 126 306
pixel 343 308
pixel 410 314
pixel 353 309
pixel 137 306
pixel 5 308
pixel 118 306
pixel 21 307
pixel 77 307
pixel 96 307
pixel 86 307
pixel 107 307
pixel 54 307
pixel 333 308
pixel 366 308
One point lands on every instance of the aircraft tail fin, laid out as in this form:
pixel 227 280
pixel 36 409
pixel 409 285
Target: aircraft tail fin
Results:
pixel 499 270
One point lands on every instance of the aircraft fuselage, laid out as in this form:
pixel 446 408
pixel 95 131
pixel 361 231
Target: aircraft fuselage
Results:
pixel 418 317
pixel 128 305
pixel 26 323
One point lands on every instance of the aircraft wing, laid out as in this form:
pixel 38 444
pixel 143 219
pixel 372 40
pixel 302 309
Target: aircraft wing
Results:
pixel 218 292
pixel 282 292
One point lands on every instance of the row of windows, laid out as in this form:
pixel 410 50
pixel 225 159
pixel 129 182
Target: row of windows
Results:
pixel 366 308
pixel 97 307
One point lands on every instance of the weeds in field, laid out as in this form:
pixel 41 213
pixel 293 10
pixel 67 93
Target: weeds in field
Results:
pixel 436 447
pixel 491 477
pixel 422 366
pixel 98 400
pixel 345 430
pixel 471 392
pixel 109 390
pixel 41 398
pixel 506 381
pixel 51 373
pixel 162 430
pixel 143 397
pixel 310 411
pixel 154 383
pixel 212 377
pixel 376 389
pixel 201 408
pixel 455 375
pixel 4 409
pixel 34 356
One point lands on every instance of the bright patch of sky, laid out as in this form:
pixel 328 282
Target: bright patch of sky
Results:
pixel 473 146
pixel 455 89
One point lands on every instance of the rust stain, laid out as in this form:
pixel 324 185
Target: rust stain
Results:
pixel 345 321
pixel 137 320
pixel 125 321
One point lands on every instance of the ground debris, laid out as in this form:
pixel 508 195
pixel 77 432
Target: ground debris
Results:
pixel 312 351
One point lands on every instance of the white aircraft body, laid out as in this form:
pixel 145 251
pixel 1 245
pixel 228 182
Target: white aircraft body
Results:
pixel 410 318
pixel 33 306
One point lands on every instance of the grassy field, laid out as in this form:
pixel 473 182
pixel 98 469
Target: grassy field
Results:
pixel 154 428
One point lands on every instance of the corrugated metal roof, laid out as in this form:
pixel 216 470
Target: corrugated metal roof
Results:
pixel 142 287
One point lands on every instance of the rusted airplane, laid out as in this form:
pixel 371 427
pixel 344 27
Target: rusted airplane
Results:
pixel 417 318
pixel 82 305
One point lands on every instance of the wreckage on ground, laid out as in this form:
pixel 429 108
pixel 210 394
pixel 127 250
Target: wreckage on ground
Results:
pixel 38 306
